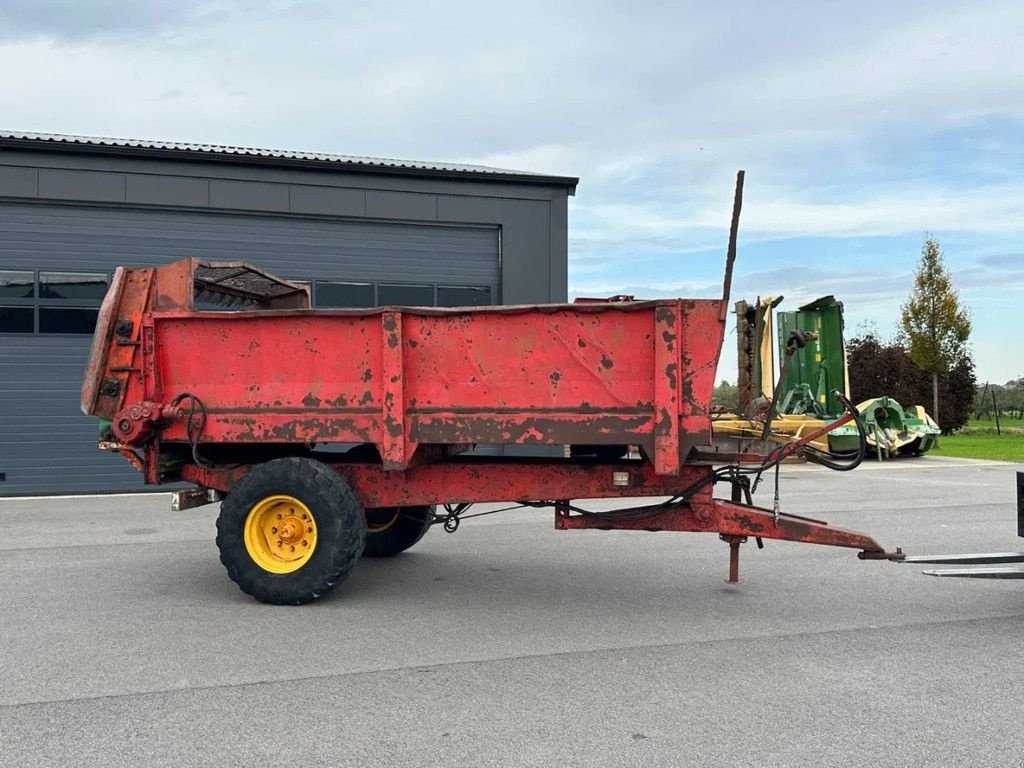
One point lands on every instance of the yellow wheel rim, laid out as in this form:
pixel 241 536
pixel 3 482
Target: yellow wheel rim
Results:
pixel 280 534
pixel 379 520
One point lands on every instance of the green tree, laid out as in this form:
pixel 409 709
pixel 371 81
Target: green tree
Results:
pixel 935 325
pixel 884 368
pixel 726 395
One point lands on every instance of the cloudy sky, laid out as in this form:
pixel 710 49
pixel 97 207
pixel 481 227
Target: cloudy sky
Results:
pixel 861 125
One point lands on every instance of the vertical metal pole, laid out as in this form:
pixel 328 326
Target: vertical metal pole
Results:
pixel 734 555
pixel 730 258
pixel 995 407
pixel 734 562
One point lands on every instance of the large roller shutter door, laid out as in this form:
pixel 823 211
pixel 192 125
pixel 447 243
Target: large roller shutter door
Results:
pixel 51 257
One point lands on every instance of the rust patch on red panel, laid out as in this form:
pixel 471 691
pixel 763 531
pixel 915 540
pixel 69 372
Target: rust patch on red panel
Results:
pixel 670 374
pixel 665 315
pixel 526 430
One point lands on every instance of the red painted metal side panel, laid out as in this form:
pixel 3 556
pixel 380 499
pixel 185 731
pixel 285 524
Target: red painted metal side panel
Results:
pixel 700 332
pixel 271 362
pixel 394 444
pixel 113 374
pixel 666 374
pixel 272 377
pixel 623 374
pixel 557 359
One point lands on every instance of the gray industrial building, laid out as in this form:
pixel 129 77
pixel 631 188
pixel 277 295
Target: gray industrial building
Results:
pixel 361 231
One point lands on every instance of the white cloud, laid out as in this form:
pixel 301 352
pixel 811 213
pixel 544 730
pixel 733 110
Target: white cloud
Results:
pixel 985 208
pixel 826 105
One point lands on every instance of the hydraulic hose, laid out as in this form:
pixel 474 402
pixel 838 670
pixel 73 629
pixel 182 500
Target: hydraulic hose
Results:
pixel 828 459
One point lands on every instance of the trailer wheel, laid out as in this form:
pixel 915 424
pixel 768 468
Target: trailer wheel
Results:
pixel 391 530
pixel 290 530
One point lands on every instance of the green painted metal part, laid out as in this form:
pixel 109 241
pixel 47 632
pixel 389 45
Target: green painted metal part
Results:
pixel 819 367
pixel 892 429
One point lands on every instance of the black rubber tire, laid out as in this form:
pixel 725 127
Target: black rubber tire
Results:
pixel 409 527
pixel 340 521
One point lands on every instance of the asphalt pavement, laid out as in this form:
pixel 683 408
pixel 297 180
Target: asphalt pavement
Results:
pixel 122 642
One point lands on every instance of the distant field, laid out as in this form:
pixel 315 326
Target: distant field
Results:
pixel 978 440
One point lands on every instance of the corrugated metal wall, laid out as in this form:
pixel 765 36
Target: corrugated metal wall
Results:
pixel 85 238
pixel 46 444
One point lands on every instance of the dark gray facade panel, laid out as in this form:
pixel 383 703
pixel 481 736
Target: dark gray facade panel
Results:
pixel 525 253
pixel 529 246
pixel 231 171
pixel 19 182
pixel 249 196
pixel 411 206
pixel 46 444
pixel 472 209
pixel 180 191
pixel 88 239
pixel 327 201
pixel 559 256
pixel 81 185
pixel 524 274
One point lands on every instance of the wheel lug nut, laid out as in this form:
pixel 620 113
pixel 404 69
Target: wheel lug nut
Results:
pixel 279 542
pixel 273 530
pixel 278 517
pixel 305 543
pixel 309 530
pixel 292 549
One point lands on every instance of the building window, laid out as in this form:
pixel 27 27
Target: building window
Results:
pixel 51 302
pixel 463 296
pixel 17 319
pixel 330 293
pixel 17 285
pixel 405 295
pixel 79 320
pixel 343 293
pixel 72 285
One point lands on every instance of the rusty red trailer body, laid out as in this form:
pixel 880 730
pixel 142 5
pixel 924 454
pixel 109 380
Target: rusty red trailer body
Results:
pixel 638 373
pixel 207 396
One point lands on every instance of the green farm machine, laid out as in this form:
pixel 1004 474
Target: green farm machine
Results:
pixel 813 368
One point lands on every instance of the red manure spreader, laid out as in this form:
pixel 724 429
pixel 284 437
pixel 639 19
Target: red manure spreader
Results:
pixel 251 404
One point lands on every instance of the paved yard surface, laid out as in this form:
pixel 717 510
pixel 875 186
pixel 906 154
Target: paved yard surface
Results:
pixel 122 643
